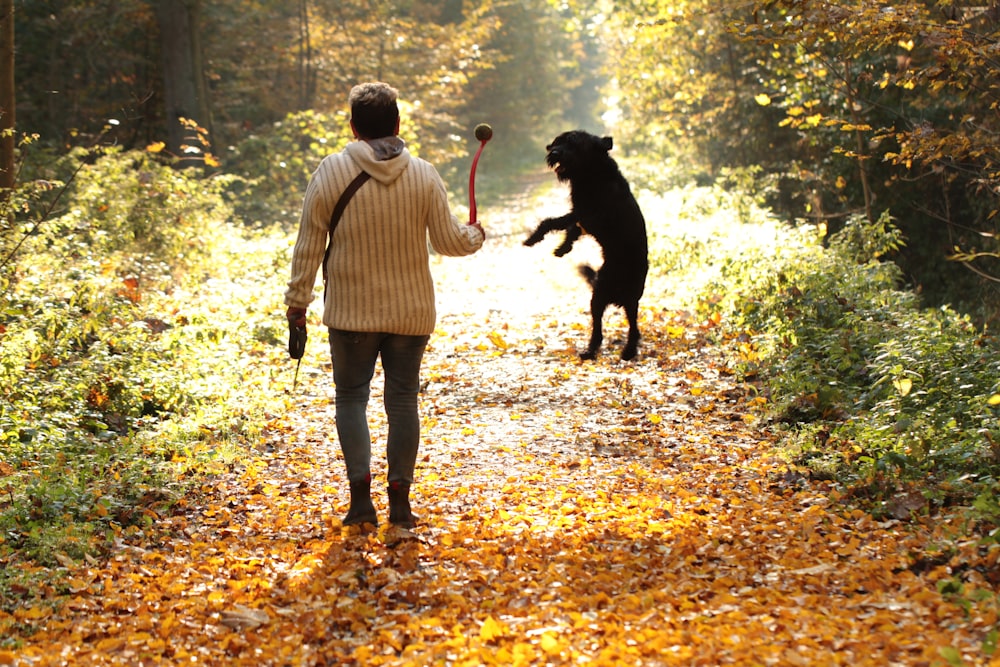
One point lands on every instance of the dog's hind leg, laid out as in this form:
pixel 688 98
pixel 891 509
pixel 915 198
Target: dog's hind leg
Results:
pixel 632 342
pixel 598 304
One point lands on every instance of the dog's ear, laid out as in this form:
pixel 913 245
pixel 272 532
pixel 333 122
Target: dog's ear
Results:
pixel 607 143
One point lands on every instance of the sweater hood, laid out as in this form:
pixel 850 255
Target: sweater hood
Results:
pixel 384 158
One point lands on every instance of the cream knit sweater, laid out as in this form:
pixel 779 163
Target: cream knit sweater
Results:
pixel 379 272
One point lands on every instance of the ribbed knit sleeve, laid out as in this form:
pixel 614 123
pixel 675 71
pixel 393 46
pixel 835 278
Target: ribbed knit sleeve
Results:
pixel 379 272
pixel 329 180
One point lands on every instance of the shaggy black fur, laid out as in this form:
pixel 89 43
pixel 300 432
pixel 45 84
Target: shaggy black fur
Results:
pixel 603 206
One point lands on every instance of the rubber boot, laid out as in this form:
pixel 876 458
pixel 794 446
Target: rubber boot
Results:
pixel 399 505
pixel 361 510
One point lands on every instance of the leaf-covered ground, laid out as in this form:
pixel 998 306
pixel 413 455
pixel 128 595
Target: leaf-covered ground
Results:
pixel 573 513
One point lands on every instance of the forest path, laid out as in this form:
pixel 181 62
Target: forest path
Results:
pixel 572 513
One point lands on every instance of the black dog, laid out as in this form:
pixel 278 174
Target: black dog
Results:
pixel 603 206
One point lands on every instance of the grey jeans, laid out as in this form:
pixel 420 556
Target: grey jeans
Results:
pixel 354 355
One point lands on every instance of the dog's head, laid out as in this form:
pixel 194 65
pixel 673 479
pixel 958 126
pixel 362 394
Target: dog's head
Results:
pixel 576 152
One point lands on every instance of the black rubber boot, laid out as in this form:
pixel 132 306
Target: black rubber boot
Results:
pixel 399 505
pixel 361 510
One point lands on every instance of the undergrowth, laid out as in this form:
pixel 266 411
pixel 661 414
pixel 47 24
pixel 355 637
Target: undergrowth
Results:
pixel 868 387
pixel 132 331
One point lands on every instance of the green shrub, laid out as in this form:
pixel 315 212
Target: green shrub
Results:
pixel 133 215
pixel 274 167
pixel 932 377
pixel 870 385
pixel 128 325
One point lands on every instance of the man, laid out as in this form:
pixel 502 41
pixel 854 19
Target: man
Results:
pixel 380 295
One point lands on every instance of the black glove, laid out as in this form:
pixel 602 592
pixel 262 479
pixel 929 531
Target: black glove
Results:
pixel 296 332
pixel 296 341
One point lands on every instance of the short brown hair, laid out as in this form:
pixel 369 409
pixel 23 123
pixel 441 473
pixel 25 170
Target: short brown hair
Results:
pixel 374 111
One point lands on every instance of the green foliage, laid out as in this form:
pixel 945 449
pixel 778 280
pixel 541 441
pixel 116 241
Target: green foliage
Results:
pixel 848 109
pixel 127 327
pixel 869 387
pixel 820 313
pixel 274 166
pixel 153 224
pixel 932 378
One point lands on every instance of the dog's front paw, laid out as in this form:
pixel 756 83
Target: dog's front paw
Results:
pixel 589 355
pixel 533 239
pixel 562 250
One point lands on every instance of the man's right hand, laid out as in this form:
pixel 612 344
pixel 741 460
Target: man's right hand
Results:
pixel 296 332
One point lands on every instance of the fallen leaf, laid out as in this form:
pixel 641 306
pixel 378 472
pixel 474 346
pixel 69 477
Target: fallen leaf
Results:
pixel 240 617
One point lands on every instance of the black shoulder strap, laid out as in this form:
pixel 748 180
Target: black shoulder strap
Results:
pixel 338 211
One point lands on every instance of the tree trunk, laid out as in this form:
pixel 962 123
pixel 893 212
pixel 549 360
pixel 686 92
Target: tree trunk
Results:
pixel 185 97
pixel 862 150
pixel 7 98
pixel 307 74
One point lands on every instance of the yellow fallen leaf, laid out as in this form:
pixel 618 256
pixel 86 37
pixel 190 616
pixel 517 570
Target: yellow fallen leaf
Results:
pixel 65 560
pixel 815 569
pixel 32 613
pixel 551 644
pixel 675 331
pixel 498 340
pixel 109 644
pixel 491 629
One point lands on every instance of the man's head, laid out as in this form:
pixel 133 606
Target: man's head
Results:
pixel 374 112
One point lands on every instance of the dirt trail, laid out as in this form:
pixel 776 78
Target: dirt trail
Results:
pixel 573 513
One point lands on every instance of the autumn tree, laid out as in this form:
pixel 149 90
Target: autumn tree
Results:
pixel 307 55
pixel 83 63
pixel 538 81
pixel 7 96
pixel 429 50
pixel 184 94
pixel 903 96
pixel 849 108
pixel 682 80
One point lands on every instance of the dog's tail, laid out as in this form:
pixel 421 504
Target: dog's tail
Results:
pixel 588 274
